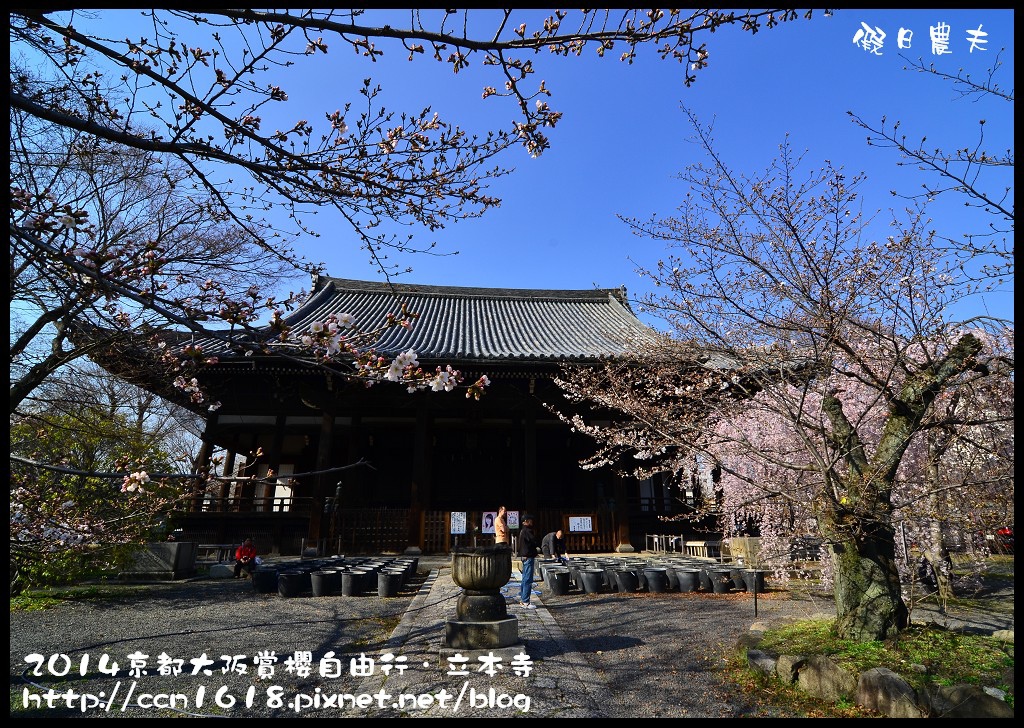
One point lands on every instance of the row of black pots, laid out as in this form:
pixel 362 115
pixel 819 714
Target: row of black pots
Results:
pixel 347 577
pixel 592 577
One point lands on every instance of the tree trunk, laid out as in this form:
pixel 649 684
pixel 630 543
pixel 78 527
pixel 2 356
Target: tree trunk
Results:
pixel 869 601
pixel 937 553
pixel 942 564
pixel 858 524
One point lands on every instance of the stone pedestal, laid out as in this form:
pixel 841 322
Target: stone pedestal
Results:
pixel 474 606
pixel 482 622
pixel 463 636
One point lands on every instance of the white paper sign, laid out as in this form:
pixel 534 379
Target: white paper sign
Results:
pixel 581 524
pixel 458 522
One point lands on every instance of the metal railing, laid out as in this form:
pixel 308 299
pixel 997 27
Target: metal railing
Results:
pixel 240 504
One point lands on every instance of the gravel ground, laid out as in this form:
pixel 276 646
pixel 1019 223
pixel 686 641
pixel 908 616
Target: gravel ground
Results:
pixel 658 653
pixel 602 655
pixel 186 620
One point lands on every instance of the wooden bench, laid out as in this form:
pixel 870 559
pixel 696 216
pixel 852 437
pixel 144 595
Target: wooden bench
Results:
pixel 704 549
pixel 219 552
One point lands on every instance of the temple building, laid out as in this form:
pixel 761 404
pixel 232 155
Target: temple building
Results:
pixel 357 469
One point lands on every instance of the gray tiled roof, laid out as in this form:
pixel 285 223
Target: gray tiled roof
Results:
pixel 494 324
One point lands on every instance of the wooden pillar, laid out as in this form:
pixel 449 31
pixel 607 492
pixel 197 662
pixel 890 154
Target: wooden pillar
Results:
pixel 420 488
pixel 202 464
pixel 273 463
pixel 246 487
pixel 530 459
pixel 229 463
pixel 355 479
pixel 267 488
pixel 621 516
pixel 351 481
pixel 323 485
pixel 274 456
pixel 224 485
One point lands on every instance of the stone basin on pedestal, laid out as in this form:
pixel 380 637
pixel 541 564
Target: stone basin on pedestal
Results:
pixel 482 620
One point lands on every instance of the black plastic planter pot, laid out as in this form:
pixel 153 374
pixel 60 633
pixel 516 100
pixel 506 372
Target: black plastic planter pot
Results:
pixel 351 583
pixel 657 579
pixel 388 584
pixel 367 578
pixel 704 576
pixel 264 581
pixel 754 580
pixel 403 577
pixel 673 579
pixel 593 580
pixel 721 582
pixel 325 583
pixel 738 583
pixel 290 583
pixel 689 579
pixel 575 578
pixel 628 580
pixel 558 582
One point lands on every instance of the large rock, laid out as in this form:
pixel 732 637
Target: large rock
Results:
pixel 964 701
pixel 1004 635
pixel 883 690
pixel 823 678
pixel 748 641
pixel 787 667
pixel 761 662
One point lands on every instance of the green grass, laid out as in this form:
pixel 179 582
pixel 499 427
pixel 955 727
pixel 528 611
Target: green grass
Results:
pixel 38 599
pixel 949 657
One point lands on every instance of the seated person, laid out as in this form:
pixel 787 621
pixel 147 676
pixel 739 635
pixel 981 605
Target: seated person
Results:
pixel 553 546
pixel 245 558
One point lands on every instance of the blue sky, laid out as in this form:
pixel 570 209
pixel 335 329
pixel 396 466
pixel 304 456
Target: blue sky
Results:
pixel 623 139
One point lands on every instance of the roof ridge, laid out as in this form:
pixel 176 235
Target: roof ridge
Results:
pixel 424 289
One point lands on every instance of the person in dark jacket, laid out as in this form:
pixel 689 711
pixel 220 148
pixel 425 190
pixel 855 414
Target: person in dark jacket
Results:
pixel 526 549
pixel 553 546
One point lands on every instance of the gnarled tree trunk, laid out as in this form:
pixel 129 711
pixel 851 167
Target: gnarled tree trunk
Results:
pixel 869 601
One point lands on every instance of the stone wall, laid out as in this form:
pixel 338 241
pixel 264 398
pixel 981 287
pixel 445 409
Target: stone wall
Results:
pixel 162 561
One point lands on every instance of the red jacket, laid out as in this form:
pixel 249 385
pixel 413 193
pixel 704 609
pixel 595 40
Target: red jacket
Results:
pixel 243 551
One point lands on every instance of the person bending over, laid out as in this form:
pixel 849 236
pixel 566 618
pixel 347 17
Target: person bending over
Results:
pixel 553 546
